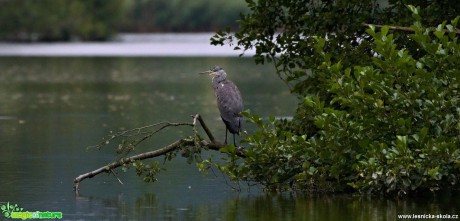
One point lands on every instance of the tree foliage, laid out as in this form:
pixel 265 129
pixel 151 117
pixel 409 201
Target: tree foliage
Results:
pixel 56 20
pixel 181 15
pixel 378 109
pixel 51 20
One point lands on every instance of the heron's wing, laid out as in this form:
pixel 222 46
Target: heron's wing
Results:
pixel 230 104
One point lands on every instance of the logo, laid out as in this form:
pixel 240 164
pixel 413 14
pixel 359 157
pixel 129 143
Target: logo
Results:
pixel 15 212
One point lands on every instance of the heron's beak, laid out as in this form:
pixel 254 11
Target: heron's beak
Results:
pixel 210 73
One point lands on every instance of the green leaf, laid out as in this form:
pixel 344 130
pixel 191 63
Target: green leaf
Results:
pixel 384 30
pixel 434 173
pixel 228 149
pixel 402 139
pixel 413 9
pixel 439 34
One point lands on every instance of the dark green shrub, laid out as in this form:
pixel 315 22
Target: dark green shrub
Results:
pixel 386 124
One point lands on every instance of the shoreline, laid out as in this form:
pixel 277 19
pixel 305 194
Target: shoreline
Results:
pixel 127 45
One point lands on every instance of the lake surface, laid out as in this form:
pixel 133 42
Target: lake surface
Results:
pixel 52 108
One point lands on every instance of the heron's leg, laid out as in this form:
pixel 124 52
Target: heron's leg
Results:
pixel 234 142
pixel 226 135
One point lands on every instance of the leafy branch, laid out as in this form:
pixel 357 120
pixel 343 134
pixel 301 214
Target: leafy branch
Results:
pixel 406 29
pixel 130 139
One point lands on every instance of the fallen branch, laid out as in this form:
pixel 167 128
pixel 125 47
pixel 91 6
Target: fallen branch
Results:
pixel 212 145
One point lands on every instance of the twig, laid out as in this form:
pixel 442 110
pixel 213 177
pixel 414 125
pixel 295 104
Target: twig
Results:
pixel 402 28
pixel 139 131
pixel 161 128
pixel 399 28
pixel 114 174
pixel 205 128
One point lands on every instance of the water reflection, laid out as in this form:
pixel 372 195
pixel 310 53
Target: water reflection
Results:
pixel 258 206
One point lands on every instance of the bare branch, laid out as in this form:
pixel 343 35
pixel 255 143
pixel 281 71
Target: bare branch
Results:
pixel 113 172
pixel 203 125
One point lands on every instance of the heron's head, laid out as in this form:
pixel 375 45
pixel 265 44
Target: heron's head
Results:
pixel 218 74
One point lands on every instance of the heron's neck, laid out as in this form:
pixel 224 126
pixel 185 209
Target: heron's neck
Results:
pixel 217 80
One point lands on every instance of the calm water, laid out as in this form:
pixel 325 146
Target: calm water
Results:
pixel 51 109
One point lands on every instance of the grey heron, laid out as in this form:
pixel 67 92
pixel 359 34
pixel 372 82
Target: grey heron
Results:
pixel 229 101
